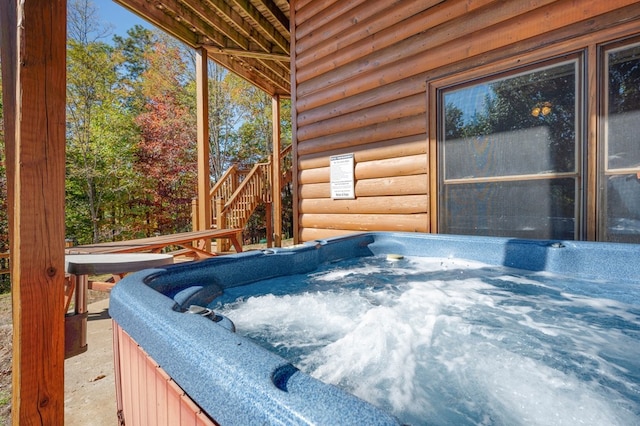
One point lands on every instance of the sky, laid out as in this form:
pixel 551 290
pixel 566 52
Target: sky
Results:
pixel 118 17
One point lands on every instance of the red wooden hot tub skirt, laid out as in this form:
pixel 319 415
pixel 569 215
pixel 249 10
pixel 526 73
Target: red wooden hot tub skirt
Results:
pixel 145 394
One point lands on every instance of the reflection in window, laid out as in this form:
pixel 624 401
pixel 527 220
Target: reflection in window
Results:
pixel 507 150
pixel 620 218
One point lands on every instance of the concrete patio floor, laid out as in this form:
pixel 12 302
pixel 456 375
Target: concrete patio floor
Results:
pixel 89 385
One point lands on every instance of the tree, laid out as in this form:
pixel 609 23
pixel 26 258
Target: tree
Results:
pixel 90 99
pixel 254 142
pixel 223 120
pixel 4 218
pixel 254 136
pixel 133 63
pixel 83 22
pixel 166 155
pixel 99 128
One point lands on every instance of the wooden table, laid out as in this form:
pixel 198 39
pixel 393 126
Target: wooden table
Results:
pixel 186 240
pixel 79 267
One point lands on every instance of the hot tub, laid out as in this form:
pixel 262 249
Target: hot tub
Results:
pixel 385 328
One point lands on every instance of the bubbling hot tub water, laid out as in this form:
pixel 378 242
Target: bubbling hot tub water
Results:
pixel 450 341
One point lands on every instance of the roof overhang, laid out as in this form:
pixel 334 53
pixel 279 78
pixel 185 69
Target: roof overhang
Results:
pixel 248 37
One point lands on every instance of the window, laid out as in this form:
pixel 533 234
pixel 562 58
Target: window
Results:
pixel 619 178
pixel 509 154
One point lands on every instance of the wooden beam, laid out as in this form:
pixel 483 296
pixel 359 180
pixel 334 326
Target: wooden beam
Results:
pixel 329 13
pixel 396 109
pixel 35 48
pixel 263 24
pixel 275 11
pixel 383 150
pixel 157 17
pixel 254 72
pixel 276 173
pixel 306 9
pixel 200 18
pixel 204 179
pixel 249 54
pixel 241 25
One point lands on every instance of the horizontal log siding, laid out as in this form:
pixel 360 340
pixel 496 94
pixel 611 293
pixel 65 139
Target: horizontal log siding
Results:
pixel 402 147
pixel 308 234
pixel 398 185
pixel 386 14
pixel 366 222
pixel 391 167
pixel 360 71
pixel 395 110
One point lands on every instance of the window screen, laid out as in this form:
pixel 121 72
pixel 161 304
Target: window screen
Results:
pixel 620 179
pixel 508 151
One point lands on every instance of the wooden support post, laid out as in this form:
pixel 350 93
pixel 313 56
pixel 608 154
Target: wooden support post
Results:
pixel 204 179
pixel 276 173
pixel 221 221
pixel 294 126
pixel 34 88
pixel 8 49
pixel 268 210
pixel 194 215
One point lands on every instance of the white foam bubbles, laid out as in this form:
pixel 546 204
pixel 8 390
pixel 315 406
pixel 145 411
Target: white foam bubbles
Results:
pixel 465 345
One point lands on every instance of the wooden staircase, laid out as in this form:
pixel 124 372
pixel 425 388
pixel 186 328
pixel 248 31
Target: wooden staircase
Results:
pixel 237 194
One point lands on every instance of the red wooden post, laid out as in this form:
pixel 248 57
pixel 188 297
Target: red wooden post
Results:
pixel 34 88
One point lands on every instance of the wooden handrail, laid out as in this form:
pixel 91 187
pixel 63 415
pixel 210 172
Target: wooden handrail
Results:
pixel 228 183
pixel 224 181
pixel 253 190
pixel 237 193
pixel 287 162
pixel 286 151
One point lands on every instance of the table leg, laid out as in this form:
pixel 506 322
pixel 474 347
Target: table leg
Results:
pixel 235 240
pixel 75 339
pixel 82 285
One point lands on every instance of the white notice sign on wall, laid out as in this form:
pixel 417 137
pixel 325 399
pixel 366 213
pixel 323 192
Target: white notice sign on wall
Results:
pixel 342 177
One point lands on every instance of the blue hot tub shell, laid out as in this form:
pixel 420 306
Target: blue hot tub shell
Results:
pixel 238 382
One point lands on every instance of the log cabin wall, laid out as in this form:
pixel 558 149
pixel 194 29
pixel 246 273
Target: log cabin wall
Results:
pixel 360 71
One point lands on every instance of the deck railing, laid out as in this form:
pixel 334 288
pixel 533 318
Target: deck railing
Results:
pixel 254 190
pixel 235 196
pixel 227 185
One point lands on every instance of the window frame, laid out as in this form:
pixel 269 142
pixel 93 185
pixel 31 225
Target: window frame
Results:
pixel 505 70
pixel 591 45
pixel 602 52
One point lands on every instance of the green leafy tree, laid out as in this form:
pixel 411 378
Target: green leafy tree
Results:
pixel 99 130
pixel 132 54
pixel 254 135
pixel 254 143
pixel 223 120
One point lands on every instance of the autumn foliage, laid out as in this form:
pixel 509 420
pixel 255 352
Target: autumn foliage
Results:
pixel 166 153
